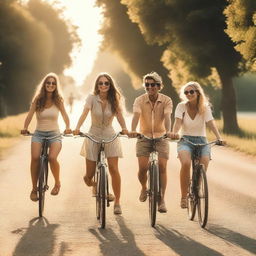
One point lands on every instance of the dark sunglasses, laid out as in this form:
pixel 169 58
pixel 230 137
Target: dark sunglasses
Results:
pixel 152 84
pixel 49 83
pixel 105 83
pixel 190 92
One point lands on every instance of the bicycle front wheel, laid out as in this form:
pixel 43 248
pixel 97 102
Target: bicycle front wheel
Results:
pixel 42 179
pixel 191 200
pixel 153 193
pixel 101 196
pixel 203 200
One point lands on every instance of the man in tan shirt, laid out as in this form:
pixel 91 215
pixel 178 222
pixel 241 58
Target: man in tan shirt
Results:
pixel 153 110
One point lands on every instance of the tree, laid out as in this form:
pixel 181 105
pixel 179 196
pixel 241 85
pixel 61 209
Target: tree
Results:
pixel 241 27
pixel 193 31
pixel 124 38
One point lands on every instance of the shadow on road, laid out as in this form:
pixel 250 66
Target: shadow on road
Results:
pixel 181 244
pixel 38 239
pixel 112 244
pixel 233 237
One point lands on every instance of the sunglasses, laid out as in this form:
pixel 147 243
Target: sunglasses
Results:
pixel 49 83
pixel 190 92
pixel 105 83
pixel 152 84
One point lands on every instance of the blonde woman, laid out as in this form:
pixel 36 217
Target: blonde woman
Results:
pixel 104 105
pixel 47 104
pixel 191 116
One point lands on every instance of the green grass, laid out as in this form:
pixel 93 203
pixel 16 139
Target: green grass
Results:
pixel 245 141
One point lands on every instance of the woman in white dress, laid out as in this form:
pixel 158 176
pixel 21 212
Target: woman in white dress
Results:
pixel 191 116
pixel 104 105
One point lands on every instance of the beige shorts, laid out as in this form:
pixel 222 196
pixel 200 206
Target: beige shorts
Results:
pixel 144 147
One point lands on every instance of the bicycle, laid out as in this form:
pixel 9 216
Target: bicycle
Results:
pixel 101 178
pixel 154 181
pixel 198 196
pixel 43 172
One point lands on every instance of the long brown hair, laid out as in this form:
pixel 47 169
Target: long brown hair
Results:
pixel 114 96
pixel 40 95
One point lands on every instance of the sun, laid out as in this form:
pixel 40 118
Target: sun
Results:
pixel 87 17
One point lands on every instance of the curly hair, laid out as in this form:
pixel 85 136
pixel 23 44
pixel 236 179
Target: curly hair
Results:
pixel 114 96
pixel 40 95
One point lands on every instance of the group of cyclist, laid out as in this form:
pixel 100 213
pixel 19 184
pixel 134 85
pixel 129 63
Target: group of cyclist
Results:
pixel 152 110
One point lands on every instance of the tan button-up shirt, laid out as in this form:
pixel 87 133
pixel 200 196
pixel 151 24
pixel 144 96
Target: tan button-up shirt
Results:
pixel 152 117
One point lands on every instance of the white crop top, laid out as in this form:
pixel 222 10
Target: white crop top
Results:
pixel 196 126
pixel 47 120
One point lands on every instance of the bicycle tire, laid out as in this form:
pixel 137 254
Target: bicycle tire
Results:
pixel 97 196
pixel 191 198
pixel 153 193
pixel 102 194
pixel 41 185
pixel 203 200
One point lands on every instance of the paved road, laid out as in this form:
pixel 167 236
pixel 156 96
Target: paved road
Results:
pixel 70 226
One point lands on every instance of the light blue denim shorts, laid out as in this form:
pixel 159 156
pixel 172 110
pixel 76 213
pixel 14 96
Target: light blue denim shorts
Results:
pixel 183 145
pixel 53 136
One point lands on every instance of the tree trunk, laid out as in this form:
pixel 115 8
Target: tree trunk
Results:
pixel 228 104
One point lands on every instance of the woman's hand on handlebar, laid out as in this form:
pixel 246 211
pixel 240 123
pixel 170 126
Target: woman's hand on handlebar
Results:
pixel 24 132
pixel 76 132
pixel 68 131
pixel 124 132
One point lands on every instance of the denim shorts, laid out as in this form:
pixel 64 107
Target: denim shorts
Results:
pixel 53 136
pixel 183 145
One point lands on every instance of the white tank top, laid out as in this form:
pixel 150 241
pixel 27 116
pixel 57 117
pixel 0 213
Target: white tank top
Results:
pixel 47 120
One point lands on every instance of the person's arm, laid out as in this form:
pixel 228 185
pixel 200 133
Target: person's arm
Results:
pixel 135 121
pixel 176 127
pixel 81 121
pixel 167 122
pixel 65 117
pixel 29 118
pixel 121 121
pixel 212 126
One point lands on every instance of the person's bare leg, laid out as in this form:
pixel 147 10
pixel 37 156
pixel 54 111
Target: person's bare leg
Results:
pixel 90 171
pixel 115 176
pixel 35 157
pixel 163 175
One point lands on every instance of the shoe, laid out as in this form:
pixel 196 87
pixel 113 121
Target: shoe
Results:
pixel 33 195
pixel 55 191
pixel 162 208
pixel 89 182
pixel 117 209
pixel 111 197
pixel 143 195
pixel 184 203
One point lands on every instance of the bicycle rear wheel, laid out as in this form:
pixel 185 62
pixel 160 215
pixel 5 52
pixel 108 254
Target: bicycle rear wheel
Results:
pixel 42 184
pixel 153 193
pixel 191 199
pixel 203 200
pixel 102 197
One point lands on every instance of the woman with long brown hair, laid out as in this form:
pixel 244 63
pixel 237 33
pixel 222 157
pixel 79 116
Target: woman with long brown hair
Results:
pixel 47 103
pixel 104 105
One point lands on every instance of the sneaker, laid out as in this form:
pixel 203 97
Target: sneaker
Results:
pixel 117 209
pixel 184 203
pixel 162 208
pixel 143 195
pixel 33 195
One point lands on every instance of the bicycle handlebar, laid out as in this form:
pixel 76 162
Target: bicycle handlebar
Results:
pixel 89 136
pixel 216 142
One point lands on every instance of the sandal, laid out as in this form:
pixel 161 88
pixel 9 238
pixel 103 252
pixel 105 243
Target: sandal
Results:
pixel 89 182
pixel 183 203
pixel 33 195
pixel 117 209
pixel 55 191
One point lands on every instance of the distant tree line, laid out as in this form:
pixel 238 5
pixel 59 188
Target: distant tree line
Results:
pixel 34 40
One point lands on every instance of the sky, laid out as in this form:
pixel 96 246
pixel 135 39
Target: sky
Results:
pixel 87 17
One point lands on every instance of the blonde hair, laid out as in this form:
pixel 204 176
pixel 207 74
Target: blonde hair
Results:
pixel 114 96
pixel 40 95
pixel 157 78
pixel 202 100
